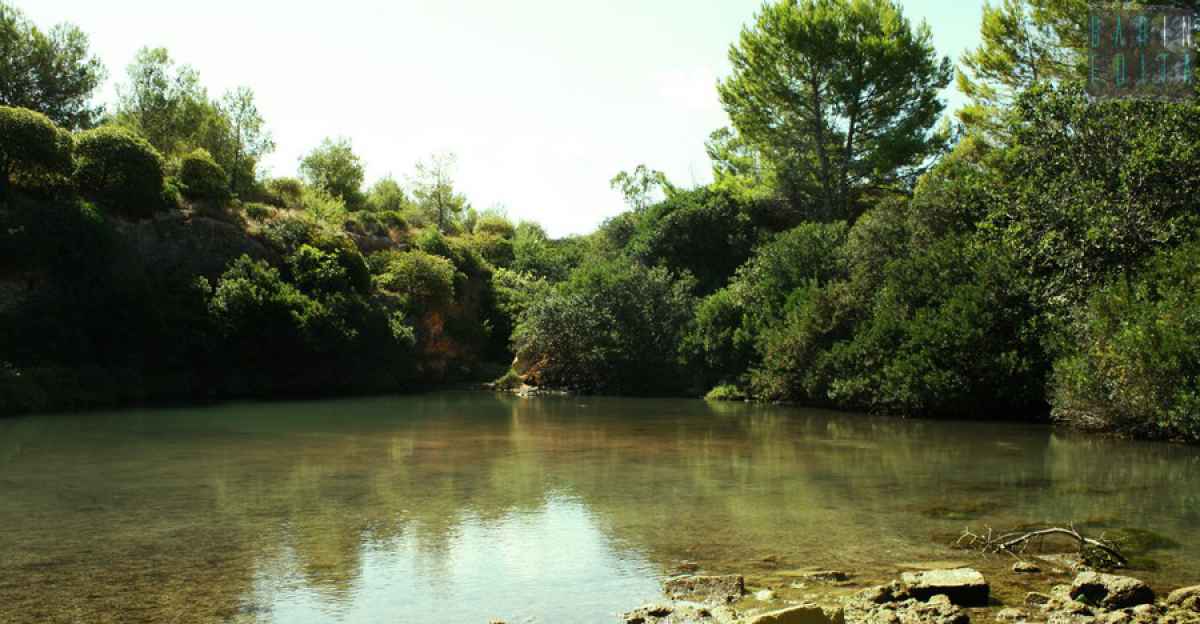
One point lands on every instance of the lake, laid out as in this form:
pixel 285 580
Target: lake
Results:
pixel 473 507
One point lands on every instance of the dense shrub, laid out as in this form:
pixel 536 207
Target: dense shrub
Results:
pixel 284 192
pixel 1136 368
pixel 1089 189
pixel 614 326
pixel 424 280
pixel 707 233
pixel 34 153
pixel 119 170
pixel 202 177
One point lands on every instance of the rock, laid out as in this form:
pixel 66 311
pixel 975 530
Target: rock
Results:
pixel 713 589
pixel 1011 615
pixel 1036 599
pixel 910 611
pixel 678 613
pixel 804 614
pixel 881 594
pixel 1110 591
pixel 764 595
pixel 964 586
pixel 1185 597
pixel 1026 567
pixel 687 567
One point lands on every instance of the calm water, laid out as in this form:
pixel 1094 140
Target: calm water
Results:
pixel 468 507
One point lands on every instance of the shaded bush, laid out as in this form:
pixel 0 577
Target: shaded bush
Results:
pixel 34 153
pixel 1137 365
pixel 202 177
pixel 615 326
pixel 119 170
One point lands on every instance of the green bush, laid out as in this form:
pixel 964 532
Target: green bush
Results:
pixel 284 193
pixel 705 232
pixel 202 177
pixel 119 170
pixel 34 153
pixel 1136 368
pixel 615 326
pixel 726 392
pixel 258 211
pixel 424 280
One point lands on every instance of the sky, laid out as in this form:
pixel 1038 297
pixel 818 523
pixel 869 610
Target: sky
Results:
pixel 542 101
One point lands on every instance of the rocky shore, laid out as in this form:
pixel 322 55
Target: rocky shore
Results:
pixel 953 596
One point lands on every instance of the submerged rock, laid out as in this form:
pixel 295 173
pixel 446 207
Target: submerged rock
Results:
pixel 1026 567
pixel 712 589
pixel 964 586
pixel 803 614
pixel 817 576
pixel 1110 591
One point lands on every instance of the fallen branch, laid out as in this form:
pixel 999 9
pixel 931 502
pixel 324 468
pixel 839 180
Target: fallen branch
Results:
pixel 1016 542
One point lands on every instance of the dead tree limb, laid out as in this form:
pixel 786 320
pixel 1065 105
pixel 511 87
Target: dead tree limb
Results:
pixel 1015 542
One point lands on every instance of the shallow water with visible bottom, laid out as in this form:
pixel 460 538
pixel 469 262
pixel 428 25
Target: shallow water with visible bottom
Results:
pixel 472 507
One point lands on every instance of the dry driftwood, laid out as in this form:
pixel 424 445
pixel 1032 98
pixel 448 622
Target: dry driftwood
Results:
pixel 1015 543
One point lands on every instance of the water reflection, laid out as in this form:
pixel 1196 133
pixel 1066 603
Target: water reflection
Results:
pixel 469 507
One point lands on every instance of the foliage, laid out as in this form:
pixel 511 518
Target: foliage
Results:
pixel 433 190
pixel 707 233
pixel 638 187
pixel 53 72
pixel 248 138
pixel 119 170
pixel 424 280
pixel 1083 201
pixel 35 154
pixel 285 192
pixel 1136 368
pixel 386 196
pixel 335 169
pixel 202 177
pixel 612 327
pixel 839 94
pixel 163 103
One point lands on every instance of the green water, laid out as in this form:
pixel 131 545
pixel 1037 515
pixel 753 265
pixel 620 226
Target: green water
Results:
pixel 469 507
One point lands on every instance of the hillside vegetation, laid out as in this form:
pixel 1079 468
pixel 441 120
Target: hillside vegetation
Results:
pixel 1034 258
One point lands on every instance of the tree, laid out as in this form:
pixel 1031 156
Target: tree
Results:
pixel 1018 50
pixel 52 73
pixel 433 188
pixel 840 94
pixel 164 103
pixel 334 168
pixel 250 137
pixel 638 186
pixel 33 148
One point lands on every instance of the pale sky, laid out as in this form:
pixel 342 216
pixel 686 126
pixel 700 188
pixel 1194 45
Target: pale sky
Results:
pixel 543 101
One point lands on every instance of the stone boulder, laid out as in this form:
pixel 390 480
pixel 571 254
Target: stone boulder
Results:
pixel 1187 598
pixel 964 586
pixel 803 614
pixel 938 610
pixel 710 589
pixel 1110 591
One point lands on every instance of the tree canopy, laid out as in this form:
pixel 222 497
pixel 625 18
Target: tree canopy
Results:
pixel 51 72
pixel 841 94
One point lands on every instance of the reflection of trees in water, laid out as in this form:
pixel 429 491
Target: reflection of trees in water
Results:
pixel 190 507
